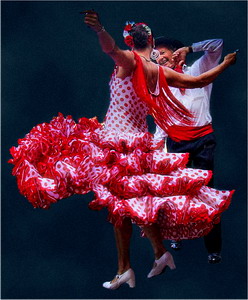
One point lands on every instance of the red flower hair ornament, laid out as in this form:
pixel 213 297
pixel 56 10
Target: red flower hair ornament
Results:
pixel 128 39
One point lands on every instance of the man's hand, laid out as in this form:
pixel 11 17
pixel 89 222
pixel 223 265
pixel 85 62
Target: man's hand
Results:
pixel 179 56
pixel 92 20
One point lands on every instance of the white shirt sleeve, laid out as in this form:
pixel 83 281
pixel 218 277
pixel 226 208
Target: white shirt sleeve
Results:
pixel 213 51
pixel 160 134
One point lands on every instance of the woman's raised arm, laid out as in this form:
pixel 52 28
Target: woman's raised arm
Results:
pixel 123 58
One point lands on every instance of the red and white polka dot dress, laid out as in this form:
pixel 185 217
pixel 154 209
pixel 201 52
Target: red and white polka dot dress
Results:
pixel 122 164
pixel 126 112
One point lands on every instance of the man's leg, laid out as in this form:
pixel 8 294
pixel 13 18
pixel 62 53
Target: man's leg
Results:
pixel 179 147
pixel 203 158
pixel 213 243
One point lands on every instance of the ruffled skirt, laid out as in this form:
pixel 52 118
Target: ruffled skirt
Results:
pixel 129 174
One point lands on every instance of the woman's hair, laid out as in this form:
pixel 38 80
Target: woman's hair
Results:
pixel 141 36
pixel 137 35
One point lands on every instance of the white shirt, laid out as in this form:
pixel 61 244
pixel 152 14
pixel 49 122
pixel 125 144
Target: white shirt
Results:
pixel 198 100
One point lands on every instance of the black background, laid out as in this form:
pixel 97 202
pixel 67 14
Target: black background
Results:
pixel 51 62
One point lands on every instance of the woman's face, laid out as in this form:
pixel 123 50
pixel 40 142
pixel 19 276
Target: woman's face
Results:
pixel 165 57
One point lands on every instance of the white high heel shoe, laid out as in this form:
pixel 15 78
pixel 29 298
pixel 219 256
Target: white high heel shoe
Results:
pixel 159 265
pixel 127 277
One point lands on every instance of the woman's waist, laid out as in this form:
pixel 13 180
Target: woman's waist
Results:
pixel 124 125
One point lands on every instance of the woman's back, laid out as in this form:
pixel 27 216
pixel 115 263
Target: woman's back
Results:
pixel 126 112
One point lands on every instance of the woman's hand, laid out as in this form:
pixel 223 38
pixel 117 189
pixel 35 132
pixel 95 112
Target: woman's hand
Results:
pixel 92 20
pixel 230 58
pixel 122 58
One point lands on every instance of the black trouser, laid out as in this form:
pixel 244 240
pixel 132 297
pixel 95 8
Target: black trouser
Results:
pixel 201 156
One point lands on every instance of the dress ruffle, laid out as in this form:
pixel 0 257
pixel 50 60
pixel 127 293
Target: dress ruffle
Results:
pixel 129 174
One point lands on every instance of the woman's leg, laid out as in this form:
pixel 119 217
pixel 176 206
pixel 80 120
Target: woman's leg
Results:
pixel 163 258
pixel 153 234
pixel 123 235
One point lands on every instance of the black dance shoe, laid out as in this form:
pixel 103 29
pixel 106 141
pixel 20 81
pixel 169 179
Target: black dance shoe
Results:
pixel 176 245
pixel 214 258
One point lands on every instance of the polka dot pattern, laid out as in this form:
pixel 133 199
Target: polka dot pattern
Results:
pixel 126 112
pixel 120 162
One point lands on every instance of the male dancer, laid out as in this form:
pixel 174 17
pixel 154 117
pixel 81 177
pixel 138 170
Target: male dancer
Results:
pixel 199 141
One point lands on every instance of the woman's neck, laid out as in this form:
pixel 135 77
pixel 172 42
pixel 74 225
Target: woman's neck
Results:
pixel 145 53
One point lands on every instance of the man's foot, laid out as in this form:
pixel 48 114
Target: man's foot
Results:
pixel 214 258
pixel 176 245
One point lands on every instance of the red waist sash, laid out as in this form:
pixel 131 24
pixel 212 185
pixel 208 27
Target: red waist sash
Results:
pixel 187 133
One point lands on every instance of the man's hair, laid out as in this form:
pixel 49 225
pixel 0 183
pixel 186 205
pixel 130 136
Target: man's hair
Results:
pixel 168 43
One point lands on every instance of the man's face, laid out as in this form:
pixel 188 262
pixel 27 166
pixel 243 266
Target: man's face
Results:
pixel 165 57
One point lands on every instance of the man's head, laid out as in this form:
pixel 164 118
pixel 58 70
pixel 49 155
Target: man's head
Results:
pixel 166 47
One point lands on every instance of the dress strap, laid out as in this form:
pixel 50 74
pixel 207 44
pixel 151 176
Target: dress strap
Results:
pixel 164 107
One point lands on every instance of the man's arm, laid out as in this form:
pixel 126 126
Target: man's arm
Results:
pixel 212 54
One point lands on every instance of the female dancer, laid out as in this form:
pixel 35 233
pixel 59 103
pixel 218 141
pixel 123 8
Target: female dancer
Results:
pixel 119 160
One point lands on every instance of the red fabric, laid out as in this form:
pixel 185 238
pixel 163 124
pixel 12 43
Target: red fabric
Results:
pixel 128 175
pixel 179 69
pixel 187 133
pixel 59 159
pixel 164 108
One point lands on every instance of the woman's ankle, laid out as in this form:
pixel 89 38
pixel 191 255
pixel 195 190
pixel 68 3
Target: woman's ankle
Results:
pixel 122 270
pixel 159 254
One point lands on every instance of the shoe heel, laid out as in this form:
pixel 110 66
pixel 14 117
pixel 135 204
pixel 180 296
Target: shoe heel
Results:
pixel 131 282
pixel 171 264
